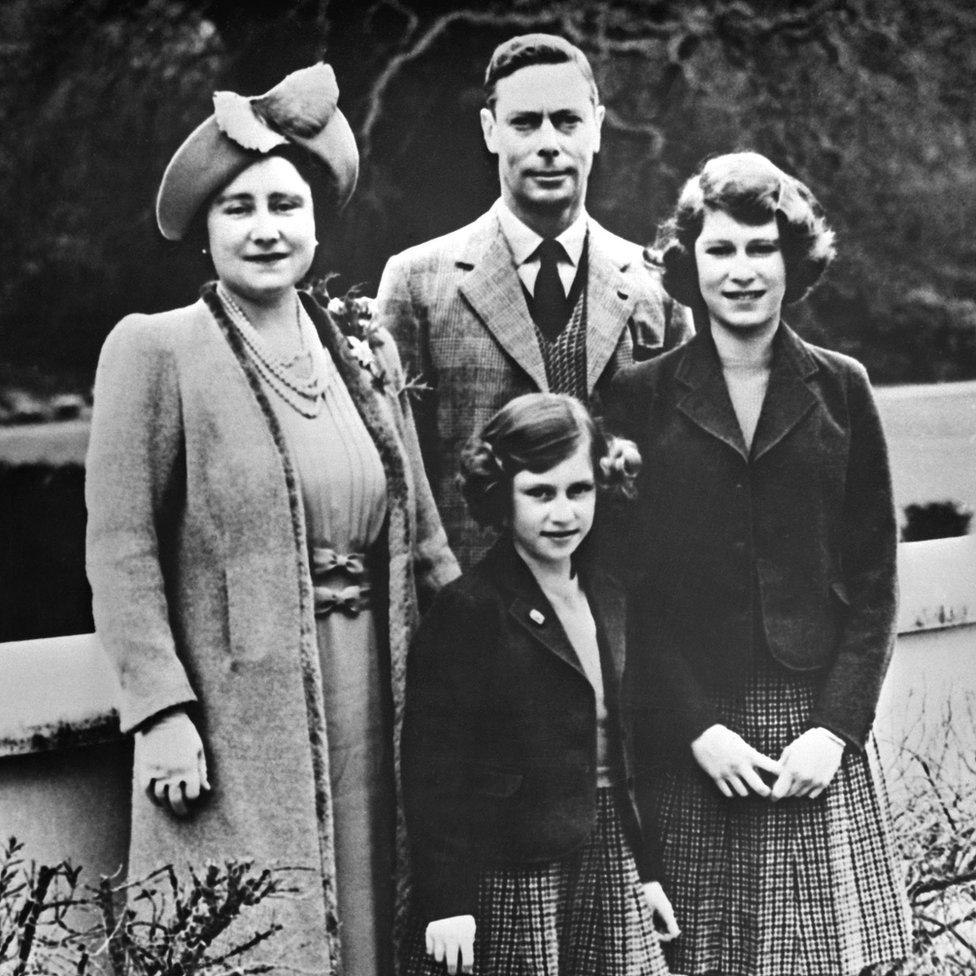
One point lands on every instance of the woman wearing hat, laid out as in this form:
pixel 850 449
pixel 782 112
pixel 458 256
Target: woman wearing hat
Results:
pixel 259 523
pixel 766 603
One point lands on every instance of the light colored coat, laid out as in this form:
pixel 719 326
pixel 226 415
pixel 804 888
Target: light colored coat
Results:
pixel 457 310
pixel 201 592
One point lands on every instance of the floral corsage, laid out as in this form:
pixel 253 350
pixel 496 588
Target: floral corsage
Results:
pixel 354 313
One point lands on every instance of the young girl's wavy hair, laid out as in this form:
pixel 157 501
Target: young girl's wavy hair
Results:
pixel 534 432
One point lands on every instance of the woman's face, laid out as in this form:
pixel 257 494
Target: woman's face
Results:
pixel 553 511
pixel 741 273
pixel 261 228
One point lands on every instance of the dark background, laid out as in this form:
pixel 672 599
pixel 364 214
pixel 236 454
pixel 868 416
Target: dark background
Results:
pixel 869 101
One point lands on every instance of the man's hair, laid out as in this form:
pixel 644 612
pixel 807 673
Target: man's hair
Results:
pixel 752 190
pixel 529 49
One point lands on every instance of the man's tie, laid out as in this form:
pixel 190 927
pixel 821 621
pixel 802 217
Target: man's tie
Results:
pixel 549 300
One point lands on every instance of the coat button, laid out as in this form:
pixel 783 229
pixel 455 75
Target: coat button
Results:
pixel 537 617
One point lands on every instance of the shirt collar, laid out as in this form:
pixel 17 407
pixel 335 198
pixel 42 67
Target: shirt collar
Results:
pixel 524 241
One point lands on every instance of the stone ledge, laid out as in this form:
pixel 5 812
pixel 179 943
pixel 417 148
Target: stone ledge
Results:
pixel 60 692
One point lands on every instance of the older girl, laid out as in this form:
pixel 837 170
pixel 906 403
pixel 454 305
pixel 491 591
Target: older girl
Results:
pixel 529 857
pixel 766 599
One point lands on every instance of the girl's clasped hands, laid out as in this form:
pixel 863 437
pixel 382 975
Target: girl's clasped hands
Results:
pixel 805 768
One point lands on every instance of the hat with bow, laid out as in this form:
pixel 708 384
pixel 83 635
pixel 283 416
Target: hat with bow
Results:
pixel 301 109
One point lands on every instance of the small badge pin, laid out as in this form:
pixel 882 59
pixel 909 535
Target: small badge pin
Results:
pixel 537 617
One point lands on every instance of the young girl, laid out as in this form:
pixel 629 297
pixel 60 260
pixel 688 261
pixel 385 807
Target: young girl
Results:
pixel 765 603
pixel 528 851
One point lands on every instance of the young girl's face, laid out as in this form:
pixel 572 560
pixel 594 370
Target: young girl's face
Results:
pixel 553 511
pixel 741 273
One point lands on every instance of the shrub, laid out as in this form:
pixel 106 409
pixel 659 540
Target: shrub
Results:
pixel 934 814
pixel 935 520
pixel 161 925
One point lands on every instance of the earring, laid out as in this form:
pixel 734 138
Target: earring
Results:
pixel 204 251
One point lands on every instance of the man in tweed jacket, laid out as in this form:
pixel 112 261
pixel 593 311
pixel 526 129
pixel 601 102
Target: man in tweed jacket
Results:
pixel 466 309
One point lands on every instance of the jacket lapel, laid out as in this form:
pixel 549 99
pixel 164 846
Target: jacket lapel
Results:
pixel 707 402
pixel 528 605
pixel 493 290
pixel 608 603
pixel 788 397
pixel 608 304
pixel 540 621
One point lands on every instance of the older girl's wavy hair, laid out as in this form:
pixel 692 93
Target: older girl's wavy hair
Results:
pixel 534 432
pixel 750 188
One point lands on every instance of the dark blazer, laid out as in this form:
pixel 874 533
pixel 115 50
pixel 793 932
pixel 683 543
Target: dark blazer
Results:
pixel 458 312
pixel 499 735
pixel 789 547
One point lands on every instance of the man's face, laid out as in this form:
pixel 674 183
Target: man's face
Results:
pixel 544 130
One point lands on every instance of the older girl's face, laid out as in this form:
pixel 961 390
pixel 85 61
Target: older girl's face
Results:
pixel 741 273
pixel 262 230
pixel 552 512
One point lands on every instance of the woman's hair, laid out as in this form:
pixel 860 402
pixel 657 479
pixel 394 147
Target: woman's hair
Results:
pixel 534 432
pixel 751 189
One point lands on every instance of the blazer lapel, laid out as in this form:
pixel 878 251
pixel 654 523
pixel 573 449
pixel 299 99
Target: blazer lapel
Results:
pixel 493 290
pixel 788 397
pixel 608 304
pixel 539 619
pixel 608 603
pixel 707 402
pixel 528 606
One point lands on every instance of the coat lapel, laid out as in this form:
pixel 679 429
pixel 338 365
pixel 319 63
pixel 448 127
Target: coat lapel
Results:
pixel 528 605
pixel 493 290
pixel 608 304
pixel 707 402
pixel 608 603
pixel 788 397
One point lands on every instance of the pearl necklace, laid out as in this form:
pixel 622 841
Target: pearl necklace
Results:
pixel 305 396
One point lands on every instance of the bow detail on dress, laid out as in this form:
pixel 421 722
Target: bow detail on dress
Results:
pixel 349 600
pixel 326 560
pixel 340 581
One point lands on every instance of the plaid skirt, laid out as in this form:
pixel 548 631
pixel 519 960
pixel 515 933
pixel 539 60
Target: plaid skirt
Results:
pixel 801 887
pixel 582 915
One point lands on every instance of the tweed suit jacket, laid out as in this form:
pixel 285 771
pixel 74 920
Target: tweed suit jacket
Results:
pixel 457 310
pixel 787 548
pixel 197 557
pixel 499 735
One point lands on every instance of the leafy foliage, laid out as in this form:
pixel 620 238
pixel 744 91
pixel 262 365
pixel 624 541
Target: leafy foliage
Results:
pixel 935 826
pixel 162 925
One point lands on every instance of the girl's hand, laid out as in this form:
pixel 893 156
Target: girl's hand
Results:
pixel 809 762
pixel 170 763
pixel 448 937
pixel 732 763
pixel 665 924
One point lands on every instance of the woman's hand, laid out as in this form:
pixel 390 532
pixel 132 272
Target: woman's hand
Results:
pixel 448 937
pixel 170 764
pixel 732 763
pixel 809 763
pixel 665 924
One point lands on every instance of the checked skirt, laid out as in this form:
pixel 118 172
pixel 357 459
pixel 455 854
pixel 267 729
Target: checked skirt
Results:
pixel 800 887
pixel 582 915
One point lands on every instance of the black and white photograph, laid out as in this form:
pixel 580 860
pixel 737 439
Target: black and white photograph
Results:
pixel 488 488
